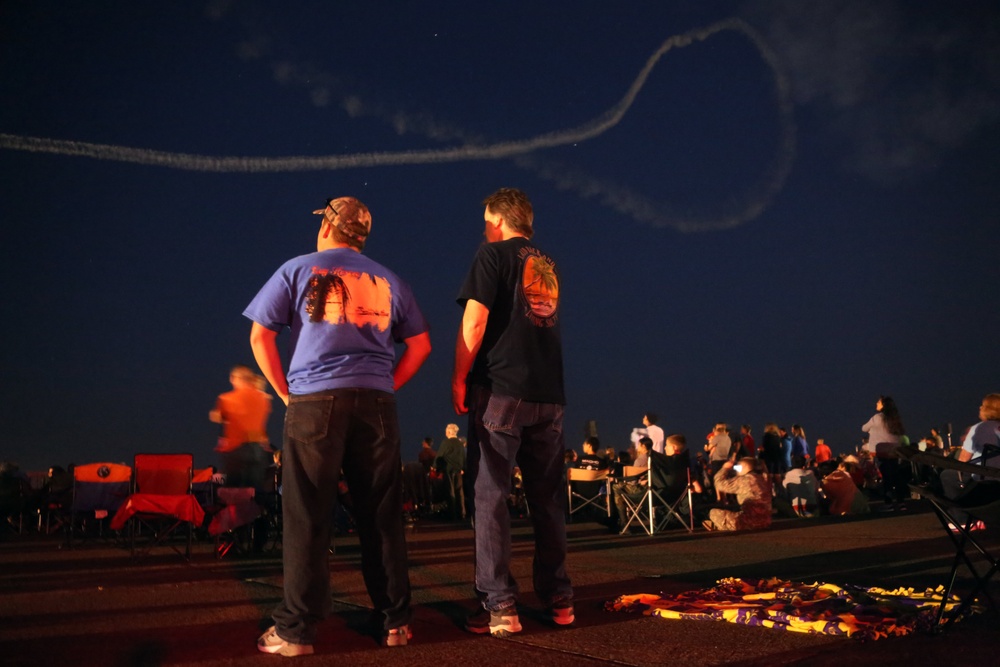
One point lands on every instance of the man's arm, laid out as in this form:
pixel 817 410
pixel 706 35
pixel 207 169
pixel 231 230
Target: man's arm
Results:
pixel 418 348
pixel 263 342
pixel 470 338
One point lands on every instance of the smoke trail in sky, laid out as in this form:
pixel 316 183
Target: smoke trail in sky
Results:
pixel 618 198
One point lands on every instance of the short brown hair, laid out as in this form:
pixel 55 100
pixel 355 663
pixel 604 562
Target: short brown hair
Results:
pixel 991 406
pixel 514 207
pixel 677 439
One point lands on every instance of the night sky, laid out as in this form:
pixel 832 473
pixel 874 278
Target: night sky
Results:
pixel 780 220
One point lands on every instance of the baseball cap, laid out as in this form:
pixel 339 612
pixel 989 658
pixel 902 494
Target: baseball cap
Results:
pixel 349 215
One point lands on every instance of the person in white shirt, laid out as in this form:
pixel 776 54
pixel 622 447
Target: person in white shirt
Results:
pixel 650 430
pixel 654 432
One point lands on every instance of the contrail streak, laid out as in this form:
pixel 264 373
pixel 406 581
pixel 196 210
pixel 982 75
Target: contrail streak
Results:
pixel 619 199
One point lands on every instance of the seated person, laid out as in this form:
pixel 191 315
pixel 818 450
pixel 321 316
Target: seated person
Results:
pixel 633 488
pixel 753 494
pixel 981 437
pixel 678 471
pixel 618 463
pixel 842 493
pixel 678 467
pixel 800 485
pixel 591 460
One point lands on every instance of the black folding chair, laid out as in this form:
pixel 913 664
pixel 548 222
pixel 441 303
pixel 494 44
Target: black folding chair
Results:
pixel 587 488
pixel 980 503
pixel 681 509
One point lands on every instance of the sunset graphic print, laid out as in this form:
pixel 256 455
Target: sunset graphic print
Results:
pixel 540 287
pixel 338 296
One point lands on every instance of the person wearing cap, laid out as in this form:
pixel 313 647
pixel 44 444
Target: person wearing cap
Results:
pixel 508 377
pixel 345 313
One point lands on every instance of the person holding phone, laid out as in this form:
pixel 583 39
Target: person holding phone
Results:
pixel 753 494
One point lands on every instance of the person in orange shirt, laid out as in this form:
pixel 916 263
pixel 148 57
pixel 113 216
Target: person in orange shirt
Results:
pixel 243 413
pixel 823 451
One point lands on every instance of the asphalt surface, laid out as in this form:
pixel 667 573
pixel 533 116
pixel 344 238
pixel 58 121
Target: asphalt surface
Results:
pixel 92 605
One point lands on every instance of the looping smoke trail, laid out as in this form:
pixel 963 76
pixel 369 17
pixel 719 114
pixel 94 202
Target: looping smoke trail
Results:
pixel 619 199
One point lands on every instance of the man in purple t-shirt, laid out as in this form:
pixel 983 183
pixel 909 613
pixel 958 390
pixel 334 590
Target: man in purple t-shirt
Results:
pixel 345 312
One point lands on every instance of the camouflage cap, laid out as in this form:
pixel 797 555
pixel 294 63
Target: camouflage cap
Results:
pixel 349 215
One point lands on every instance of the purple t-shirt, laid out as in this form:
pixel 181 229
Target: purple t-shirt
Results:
pixel 345 312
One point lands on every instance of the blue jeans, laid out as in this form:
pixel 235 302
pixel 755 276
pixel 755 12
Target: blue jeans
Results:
pixel 355 430
pixel 504 432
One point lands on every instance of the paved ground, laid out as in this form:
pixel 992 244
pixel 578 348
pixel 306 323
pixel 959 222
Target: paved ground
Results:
pixel 93 606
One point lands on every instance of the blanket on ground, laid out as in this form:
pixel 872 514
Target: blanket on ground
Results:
pixel 853 611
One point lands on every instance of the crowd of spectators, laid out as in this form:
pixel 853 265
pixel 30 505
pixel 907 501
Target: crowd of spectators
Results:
pixel 727 474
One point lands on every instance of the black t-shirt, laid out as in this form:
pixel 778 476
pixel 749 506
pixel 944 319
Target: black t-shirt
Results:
pixel 592 462
pixel 521 354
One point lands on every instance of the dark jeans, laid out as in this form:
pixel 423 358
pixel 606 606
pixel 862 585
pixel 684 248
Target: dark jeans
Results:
pixel 245 466
pixel 355 430
pixel 504 432
pixel 456 494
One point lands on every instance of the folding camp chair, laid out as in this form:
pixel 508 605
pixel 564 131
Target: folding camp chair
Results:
pixel 13 500
pixel 681 509
pixel 640 508
pixel 232 523
pixel 99 489
pixel 161 502
pixel 660 501
pixel 981 504
pixel 203 487
pixel 591 489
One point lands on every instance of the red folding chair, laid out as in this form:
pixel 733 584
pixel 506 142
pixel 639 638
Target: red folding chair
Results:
pixel 161 502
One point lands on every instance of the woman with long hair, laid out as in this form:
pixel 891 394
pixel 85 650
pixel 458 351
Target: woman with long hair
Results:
pixel 885 433
pixel 800 446
pixel 884 428
pixel 771 453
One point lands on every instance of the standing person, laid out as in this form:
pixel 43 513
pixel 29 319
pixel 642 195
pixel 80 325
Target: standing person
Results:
pixel 823 451
pixel 451 463
pixel 654 432
pixel 749 447
pixel 345 313
pixel 243 413
pixel 508 377
pixel 786 447
pixel 718 448
pixel 800 446
pixel 427 455
pixel 772 454
pixel 885 430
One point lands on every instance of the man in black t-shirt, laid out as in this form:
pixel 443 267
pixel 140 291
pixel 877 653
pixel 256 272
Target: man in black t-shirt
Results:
pixel 509 378
pixel 591 459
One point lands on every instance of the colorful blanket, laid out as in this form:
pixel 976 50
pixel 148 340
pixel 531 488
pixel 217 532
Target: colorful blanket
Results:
pixel 853 611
